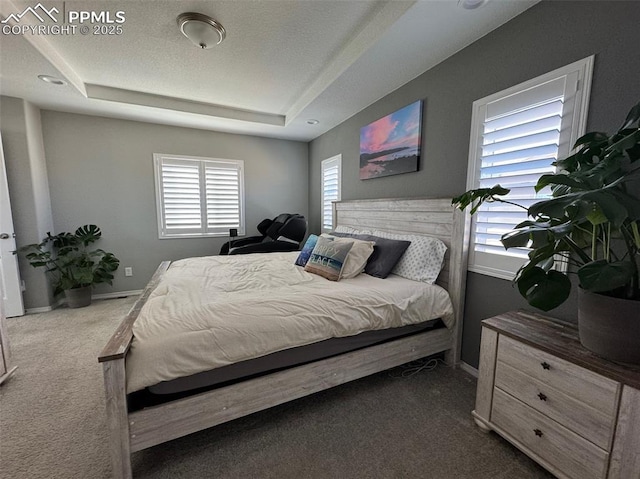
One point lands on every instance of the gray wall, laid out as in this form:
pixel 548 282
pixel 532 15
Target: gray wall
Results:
pixel 101 171
pixel 547 36
pixel 28 189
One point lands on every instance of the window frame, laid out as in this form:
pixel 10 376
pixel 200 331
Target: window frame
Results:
pixel 204 232
pixel 328 163
pixel 573 125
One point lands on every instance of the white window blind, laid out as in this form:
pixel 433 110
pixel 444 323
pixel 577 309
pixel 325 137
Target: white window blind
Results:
pixel 516 136
pixel 198 196
pixel 331 187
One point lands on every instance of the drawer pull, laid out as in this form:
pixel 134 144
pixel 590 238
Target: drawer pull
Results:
pixel 542 396
pixel 545 365
pixel 538 432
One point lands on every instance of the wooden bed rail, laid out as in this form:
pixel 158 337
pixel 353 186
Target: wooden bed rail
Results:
pixel 119 343
pixel 155 425
pixel 112 358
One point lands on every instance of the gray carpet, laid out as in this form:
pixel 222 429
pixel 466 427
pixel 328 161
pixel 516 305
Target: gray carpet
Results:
pixel 52 422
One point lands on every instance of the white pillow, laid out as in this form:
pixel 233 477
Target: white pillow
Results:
pixel 357 257
pixel 423 259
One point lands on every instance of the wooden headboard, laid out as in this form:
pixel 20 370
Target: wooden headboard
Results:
pixel 424 216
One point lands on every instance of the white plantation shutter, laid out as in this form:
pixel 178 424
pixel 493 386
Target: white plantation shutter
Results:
pixel 198 196
pixel 517 147
pixel 181 197
pixel 516 136
pixel 331 183
pixel 223 196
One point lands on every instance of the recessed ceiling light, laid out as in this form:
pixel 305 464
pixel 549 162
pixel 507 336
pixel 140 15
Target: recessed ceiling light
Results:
pixel 50 79
pixel 312 121
pixel 471 4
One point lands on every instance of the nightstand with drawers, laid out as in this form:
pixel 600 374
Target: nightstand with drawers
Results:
pixel 574 413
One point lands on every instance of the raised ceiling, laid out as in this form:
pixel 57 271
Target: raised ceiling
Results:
pixel 282 63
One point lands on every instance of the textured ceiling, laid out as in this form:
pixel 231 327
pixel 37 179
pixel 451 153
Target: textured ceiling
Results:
pixel 282 62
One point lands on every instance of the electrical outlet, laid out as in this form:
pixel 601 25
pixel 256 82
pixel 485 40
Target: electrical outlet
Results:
pixel 128 271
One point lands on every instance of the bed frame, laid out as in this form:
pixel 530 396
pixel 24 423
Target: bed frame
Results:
pixel 131 432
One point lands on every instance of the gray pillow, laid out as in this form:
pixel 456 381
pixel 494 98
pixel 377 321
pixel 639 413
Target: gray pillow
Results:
pixel 386 253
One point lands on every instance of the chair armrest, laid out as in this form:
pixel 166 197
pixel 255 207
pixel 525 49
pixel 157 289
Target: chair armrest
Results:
pixel 287 240
pixel 245 241
pixel 270 247
pixel 224 250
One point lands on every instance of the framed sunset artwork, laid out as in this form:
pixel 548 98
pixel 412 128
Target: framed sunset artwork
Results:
pixel 391 145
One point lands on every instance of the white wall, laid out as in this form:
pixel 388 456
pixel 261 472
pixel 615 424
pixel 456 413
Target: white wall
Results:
pixel 28 189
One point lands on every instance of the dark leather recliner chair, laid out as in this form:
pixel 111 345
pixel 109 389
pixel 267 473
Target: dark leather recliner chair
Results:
pixel 283 233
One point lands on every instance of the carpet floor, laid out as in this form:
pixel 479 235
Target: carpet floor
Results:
pixel 52 420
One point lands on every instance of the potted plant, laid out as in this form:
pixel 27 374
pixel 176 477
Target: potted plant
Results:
pixel 591 223
pixel 74 268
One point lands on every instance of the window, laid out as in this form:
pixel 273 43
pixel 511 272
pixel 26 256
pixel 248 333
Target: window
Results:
pixel 198 196
pixel 331 184
pixel 516 135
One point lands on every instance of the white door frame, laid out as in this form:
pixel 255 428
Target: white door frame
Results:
pixel 10 287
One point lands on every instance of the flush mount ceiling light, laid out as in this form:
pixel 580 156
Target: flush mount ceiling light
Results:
pixel 311 121
pixel 202 30
pixel 471 4
pixel 50 79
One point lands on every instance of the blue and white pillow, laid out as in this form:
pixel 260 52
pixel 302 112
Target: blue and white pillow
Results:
pixel 303 257
pixel 328 258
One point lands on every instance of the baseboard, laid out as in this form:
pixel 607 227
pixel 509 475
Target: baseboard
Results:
pixel 117 294
pixel 44 309
pixel 62 301
pixel 469 369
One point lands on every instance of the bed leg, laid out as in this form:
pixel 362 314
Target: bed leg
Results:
pixel 452 358
pixel 117 418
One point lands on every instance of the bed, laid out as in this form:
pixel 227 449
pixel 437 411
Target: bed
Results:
pixel 194 408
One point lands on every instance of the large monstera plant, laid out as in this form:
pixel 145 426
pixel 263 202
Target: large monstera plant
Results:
pixel 69 261
pixel 590 222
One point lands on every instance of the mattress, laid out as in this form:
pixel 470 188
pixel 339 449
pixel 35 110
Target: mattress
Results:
pixel 211 312
pixel 167 391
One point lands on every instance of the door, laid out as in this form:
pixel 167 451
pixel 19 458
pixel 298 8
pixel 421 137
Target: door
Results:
pixel 10 290
pixel 3 361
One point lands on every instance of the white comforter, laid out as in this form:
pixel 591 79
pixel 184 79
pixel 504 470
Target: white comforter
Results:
pixel 213 311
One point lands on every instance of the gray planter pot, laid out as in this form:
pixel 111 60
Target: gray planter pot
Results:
pixel 78 297
pixel 610 327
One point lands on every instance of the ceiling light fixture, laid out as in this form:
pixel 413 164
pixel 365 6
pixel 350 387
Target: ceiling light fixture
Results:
pixel 312 121
pixel 50 79
pixel 202 30
pixel 471 4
